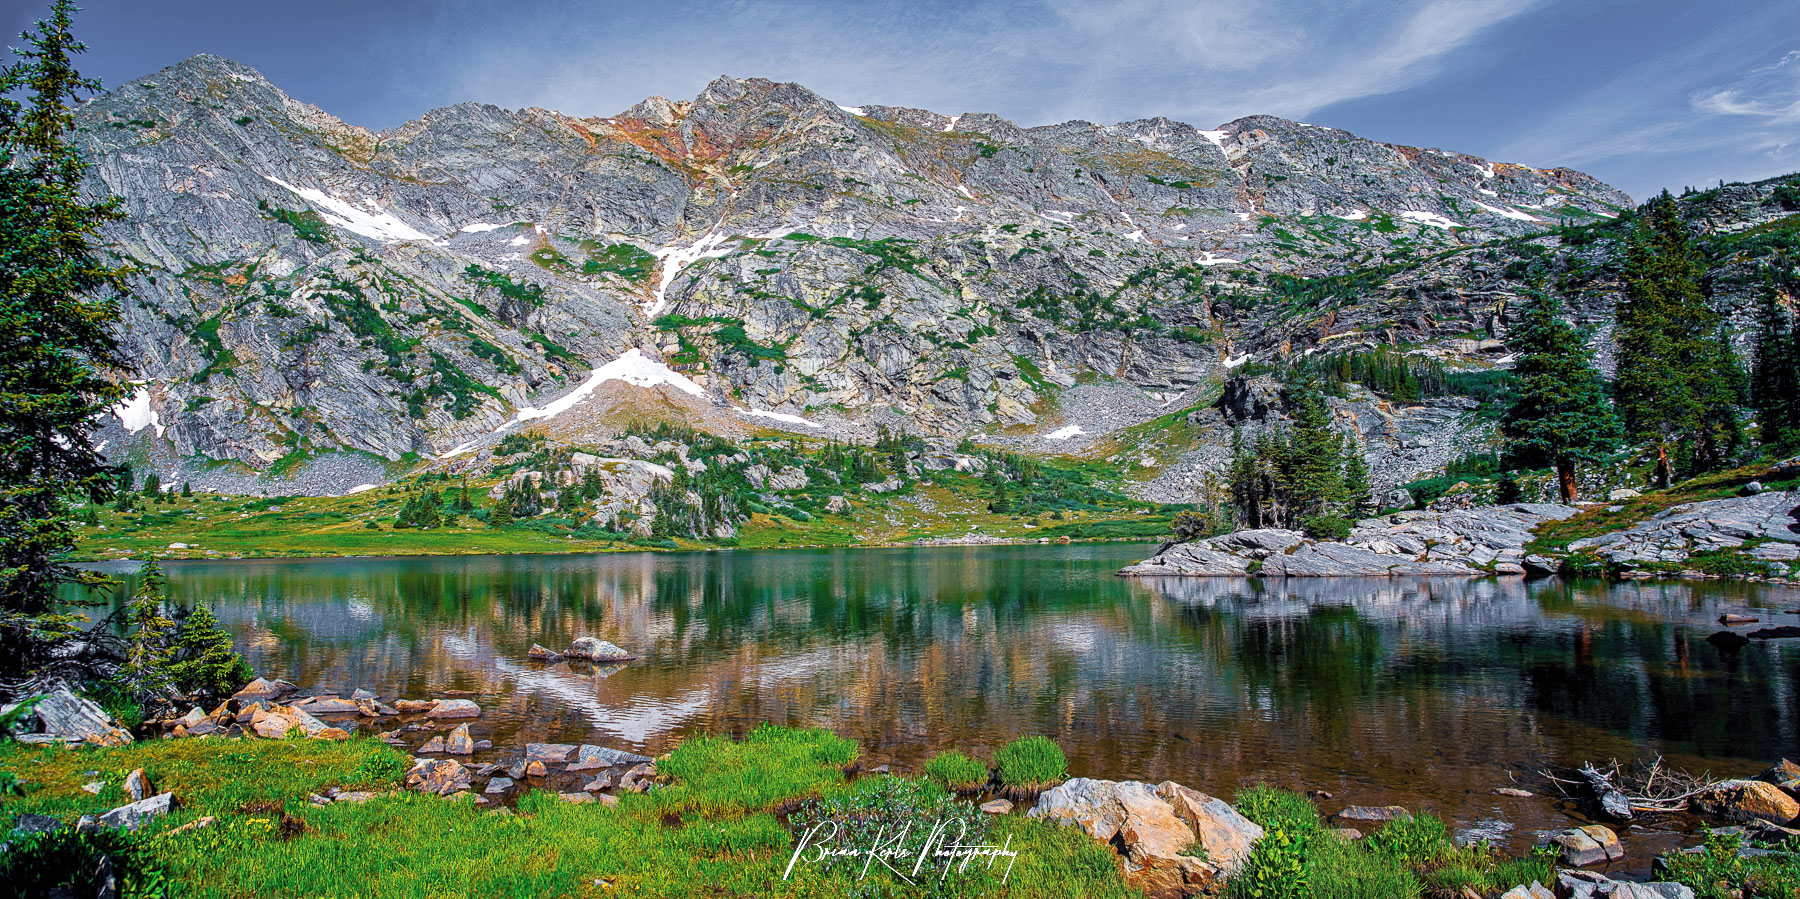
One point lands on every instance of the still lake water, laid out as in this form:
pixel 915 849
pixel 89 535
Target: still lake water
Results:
pixel 1422 692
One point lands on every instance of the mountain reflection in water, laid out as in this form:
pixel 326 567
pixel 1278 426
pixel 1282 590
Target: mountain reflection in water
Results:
pixel 1417 692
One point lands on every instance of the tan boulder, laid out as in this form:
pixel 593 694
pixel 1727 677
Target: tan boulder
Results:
pixel 442 777
pixel 1742 801
pixel 460 742
pixel 1226 835
pixel 454 708
pixel 1131 816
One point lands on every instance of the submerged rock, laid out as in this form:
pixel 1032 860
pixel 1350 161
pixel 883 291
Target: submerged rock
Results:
pixel 594 649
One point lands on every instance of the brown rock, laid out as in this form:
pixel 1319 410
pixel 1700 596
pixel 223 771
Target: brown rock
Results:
pixel 997 807
pixel 332 733
pixel 540 654
pixel 549 753
pixel 440 777
pixel 1133 818
pixel 414 706
pixel 454 708
pixel 535 769
pixel 605 780
pixel 1729 620
pixel 577 798
pixel 328 705
pixel 262 688
pixel 1781 772
pixel 137 785
pixel 1742 801
pixel 1513 792
pixel 1346 834
pixel 460 742
pixel 435 744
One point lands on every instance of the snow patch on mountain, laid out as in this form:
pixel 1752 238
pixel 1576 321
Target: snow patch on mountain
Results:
pixel 777 416
pixel 375 222
pixel 633 367
pixel 1430 219
pixel 138 413
pixel 1065 433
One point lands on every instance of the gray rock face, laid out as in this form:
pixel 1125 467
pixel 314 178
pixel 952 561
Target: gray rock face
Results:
pixel 1675 534
pixel 133 816
pixel 1465 543
pixel 62 716
pixel 308 282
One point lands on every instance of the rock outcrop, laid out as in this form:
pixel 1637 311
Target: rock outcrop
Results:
pixel 1155 828
pixel 1461 543
pixel 1771 519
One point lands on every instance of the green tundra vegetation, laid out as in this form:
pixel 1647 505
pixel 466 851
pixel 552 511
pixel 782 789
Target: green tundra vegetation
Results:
pixel 727 813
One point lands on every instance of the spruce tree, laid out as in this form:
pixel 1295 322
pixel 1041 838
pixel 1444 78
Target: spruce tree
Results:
pixel 1678 380
pixel 1560 417
pixel 202 661
pixel 60 365
pixel 1773 382
pixel 1357 501
pixel 143 674
pixel 1316 473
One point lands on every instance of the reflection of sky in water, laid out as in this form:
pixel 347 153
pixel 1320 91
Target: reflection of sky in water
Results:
pixel 1412 691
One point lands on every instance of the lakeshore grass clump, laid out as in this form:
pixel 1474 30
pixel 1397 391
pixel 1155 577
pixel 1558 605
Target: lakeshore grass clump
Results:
pixel 1029 766
pixel 957 772
pixel 724 819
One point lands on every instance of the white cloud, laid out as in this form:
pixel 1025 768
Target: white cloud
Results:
pixel 1771 93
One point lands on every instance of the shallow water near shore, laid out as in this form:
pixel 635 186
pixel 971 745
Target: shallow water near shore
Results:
pixel 1426 693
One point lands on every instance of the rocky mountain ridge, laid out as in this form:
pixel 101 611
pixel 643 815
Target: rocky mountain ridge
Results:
pixel 775 260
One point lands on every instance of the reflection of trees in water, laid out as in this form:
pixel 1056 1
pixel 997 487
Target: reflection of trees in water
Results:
pixel 1312 680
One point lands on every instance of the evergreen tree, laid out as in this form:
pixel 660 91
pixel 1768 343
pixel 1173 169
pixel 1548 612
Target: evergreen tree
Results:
pixel 60 365
pixel 500 514
pixel 187 492
pixel 1559 417
pixel 1316 479
pixel 1357 502
pixel 202 661
pixel 1774 387
pixel 152 485
pixel 1678 379
pixel 144 674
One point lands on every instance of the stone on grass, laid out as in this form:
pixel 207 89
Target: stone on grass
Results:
pixel 1226 835
pixel 137 785
pixel 997 807
pixel 332 733
pixel 577 798
pixel 440 777
pixel 133 816
pixel 64 717
pixel 455 708
pixel 1131 817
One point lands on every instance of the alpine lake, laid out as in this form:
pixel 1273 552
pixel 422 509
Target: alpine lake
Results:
pixel 1426 693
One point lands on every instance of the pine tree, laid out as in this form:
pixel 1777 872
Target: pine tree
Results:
pixel 60 365
pixel 500 514
pixel 1560 417
pixel 1774 387
pixel 202 661
pixel 1316 479
pixel 144 673
pixel 1678 380
pixel 1357 502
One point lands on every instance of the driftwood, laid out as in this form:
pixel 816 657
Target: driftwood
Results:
pixel 1614 803
pixel 1647 788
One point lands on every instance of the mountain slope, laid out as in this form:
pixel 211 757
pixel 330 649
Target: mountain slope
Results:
pixel 310 286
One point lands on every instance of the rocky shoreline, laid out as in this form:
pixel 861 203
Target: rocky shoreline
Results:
pixel 1461 543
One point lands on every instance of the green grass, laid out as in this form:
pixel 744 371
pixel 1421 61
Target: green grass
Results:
pixel 1030 765
pixel 718 827
pixel 957 772
pixel 1554 537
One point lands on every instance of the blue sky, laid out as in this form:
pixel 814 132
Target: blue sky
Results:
pixel 1643 94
